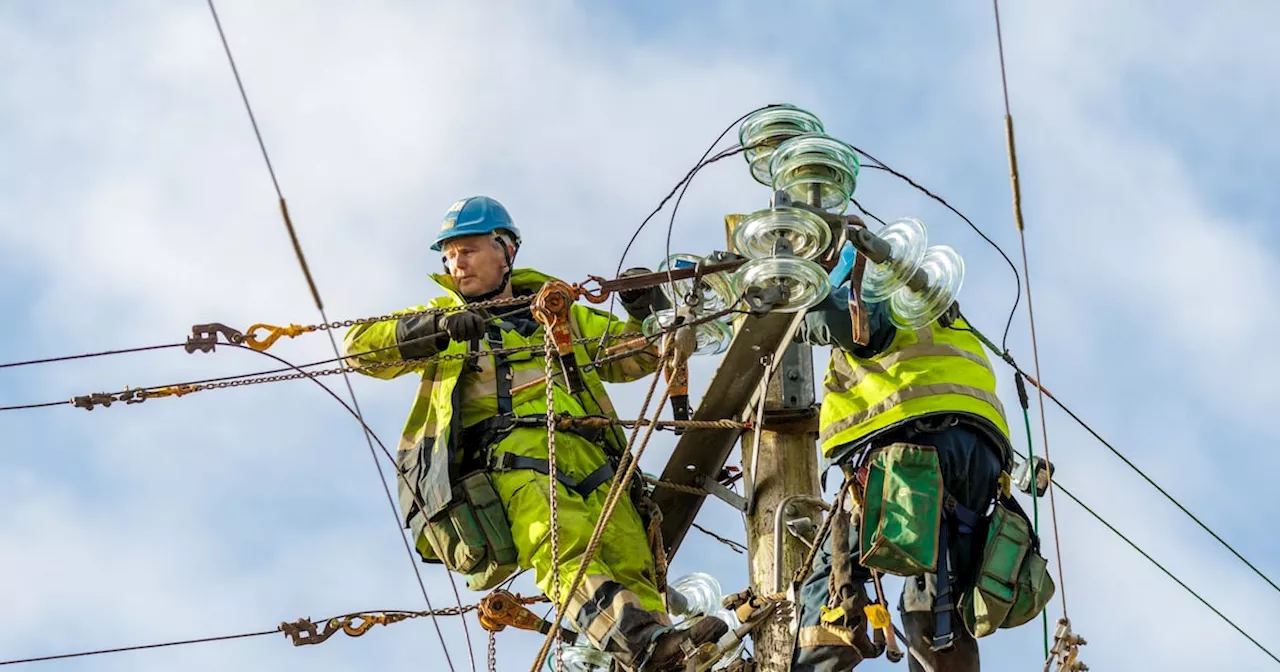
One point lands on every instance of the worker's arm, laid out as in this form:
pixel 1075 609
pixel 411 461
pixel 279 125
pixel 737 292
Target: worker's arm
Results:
pixel 828 323
pixel 592 323
pixel 393 340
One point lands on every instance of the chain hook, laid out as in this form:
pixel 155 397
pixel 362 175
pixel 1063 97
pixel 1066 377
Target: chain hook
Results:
pixel 261 344
pixel 598 295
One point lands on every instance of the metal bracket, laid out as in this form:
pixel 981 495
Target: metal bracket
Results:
pixel 795 377
pixel 1063 657
pixel 715 489
pixel 791 420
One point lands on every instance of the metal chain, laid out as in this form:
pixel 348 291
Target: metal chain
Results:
pixel 139 395
pixel 493 651
pixel 478 305
pixel 549 352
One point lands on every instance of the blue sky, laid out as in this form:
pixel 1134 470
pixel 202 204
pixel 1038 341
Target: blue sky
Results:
pixel 133 204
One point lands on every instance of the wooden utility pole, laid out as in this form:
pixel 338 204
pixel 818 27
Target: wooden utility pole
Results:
pixel 786 465
pixel 780 464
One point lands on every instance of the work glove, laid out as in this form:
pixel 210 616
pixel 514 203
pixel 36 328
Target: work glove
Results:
pixel 464 325
pixel 641 303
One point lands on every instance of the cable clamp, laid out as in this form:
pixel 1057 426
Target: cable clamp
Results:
pixel 204 337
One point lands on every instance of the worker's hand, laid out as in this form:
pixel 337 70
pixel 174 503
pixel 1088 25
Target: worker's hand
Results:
pixel 463 325
pixel 641 303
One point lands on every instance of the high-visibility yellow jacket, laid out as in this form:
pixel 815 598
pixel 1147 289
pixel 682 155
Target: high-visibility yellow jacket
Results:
pixel 928 371
pixel 428 450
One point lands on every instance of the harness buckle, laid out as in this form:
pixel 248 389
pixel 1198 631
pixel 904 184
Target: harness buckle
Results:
pixel 501 462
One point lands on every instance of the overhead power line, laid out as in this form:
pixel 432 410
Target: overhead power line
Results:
pixel 702 162
pixel 1008 359
pixel 315 293
pixel 1162 568
pixel 1026 277
pixel 303 631
pixel 105 353
pixel 99 652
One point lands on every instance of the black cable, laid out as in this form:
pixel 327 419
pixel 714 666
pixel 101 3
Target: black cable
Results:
pixel 671 224
pixel 91 354
pixel 237 376
pixel 24 407
pixel 1161 567
pixel 1008 359
pixel 184 642
pixel 688 176
pixel 1004 340
pixel 866 212
pixel 733 545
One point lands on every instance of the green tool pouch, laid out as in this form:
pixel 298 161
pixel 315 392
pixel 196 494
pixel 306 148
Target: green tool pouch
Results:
pixel 472 536
pixel 1013 582
pixel 901 510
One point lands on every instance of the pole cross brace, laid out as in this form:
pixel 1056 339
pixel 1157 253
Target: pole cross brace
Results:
pixel 719 491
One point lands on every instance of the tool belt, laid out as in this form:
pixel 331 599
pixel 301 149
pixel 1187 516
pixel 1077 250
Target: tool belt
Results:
pixel 908 520
pixel 472 536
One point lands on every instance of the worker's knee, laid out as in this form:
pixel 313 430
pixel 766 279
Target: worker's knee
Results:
pixel 613 617
pixel 918 623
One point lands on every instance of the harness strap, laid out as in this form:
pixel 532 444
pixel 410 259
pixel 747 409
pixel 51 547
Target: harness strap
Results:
pixel 501 369
pixel 511 462
pixel 943 637
pixel 966 522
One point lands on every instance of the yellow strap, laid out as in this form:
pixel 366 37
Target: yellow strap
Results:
pixel 877 615
pixel 1006 484
pixel 832 615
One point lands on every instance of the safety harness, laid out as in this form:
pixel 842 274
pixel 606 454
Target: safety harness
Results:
pixel 956 519
pixel 480 441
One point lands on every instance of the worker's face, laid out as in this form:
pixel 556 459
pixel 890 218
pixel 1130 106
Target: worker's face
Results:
pixel 476 264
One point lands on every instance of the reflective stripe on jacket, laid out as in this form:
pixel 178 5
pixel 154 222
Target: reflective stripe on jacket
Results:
pixel 931 370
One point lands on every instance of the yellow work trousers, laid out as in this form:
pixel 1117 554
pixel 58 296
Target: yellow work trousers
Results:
pixel 617 604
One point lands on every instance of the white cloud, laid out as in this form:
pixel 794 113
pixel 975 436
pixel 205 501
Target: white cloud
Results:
pixel 142 207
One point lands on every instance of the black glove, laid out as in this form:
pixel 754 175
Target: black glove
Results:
pixel 641 303
pixel 462 326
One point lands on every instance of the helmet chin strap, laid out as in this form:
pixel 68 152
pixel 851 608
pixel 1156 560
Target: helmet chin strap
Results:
pixel 506 277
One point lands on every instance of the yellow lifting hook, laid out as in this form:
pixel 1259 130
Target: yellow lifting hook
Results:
pixel 275 333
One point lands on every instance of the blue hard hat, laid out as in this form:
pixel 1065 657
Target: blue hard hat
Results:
pixel 472 216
